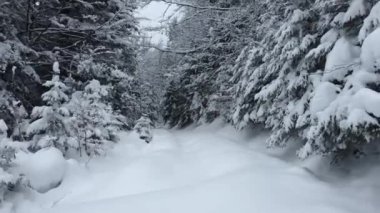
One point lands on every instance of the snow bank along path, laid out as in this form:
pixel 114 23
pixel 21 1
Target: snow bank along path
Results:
pixel 206 170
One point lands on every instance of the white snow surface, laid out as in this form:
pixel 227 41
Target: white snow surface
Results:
pixel 56 67
pixel 324 94
pixel 371 22
pixel 3 126
pixel 370 55
pixel 211 169
pixel 342 57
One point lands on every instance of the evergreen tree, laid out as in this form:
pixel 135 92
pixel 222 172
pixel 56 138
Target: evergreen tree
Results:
pixel 91 39
pixel 93 124
pixel 202 80
pixel 279 90
pixel 296 67
pixel 48 126
pixel 343 123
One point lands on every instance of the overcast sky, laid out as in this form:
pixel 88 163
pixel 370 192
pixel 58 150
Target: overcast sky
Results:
pixel 155 13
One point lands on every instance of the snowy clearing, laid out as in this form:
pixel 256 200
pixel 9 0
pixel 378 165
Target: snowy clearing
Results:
pixel 205 170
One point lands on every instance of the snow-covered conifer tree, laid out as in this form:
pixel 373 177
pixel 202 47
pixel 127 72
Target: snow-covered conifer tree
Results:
pixel 93 125
pixel 48 126
pixel 275 77
pixel 200 90
pixel 345 118
pixel 300 67
pixel 90 39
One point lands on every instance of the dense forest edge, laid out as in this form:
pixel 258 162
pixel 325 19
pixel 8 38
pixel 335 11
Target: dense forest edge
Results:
pixel 73 74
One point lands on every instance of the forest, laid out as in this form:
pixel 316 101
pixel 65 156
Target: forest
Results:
pixel 81 82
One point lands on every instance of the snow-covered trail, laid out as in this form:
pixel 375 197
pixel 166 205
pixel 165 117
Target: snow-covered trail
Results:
pixel 195 171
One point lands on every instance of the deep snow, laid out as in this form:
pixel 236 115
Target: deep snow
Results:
pixel 43 170
pixel 205 170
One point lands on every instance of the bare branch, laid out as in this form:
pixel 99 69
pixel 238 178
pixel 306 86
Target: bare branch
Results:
pixel 196 6
pixel 180 52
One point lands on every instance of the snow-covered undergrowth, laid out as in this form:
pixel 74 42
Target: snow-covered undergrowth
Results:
pixel 204 170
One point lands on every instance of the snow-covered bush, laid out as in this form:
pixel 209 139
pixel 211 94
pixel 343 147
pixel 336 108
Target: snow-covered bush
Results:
pixel 144 127
pixel 84 122
pixel 3 129
pixel 8 180
pixel 93 123
pixel 21 121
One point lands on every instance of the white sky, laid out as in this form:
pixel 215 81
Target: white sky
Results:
pixel 155 12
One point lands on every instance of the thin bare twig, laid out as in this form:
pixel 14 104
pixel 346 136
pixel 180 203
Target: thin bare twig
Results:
pixel 196 6
pixel 180 52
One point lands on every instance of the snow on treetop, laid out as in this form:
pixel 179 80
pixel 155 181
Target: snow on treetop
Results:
pixel 299 15
pixel 3 126
pixel 357 8
pixel 56 67
pixel 5 177
pixel 94 87
pixel 370 23
pixel 370 55
pixel 324 94
pixel 343 56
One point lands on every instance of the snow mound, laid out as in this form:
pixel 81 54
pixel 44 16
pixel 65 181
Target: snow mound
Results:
pixel 358 8
pixel 324 94
pixel 344 53
pixel 44 169
pixel 3 126
pixel 371 52
pixel 371 22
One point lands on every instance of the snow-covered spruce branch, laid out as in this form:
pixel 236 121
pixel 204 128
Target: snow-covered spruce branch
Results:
pixel 196 6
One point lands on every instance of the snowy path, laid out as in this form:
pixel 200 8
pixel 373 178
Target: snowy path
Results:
pixel 199 171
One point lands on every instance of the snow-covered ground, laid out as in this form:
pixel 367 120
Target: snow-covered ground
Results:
pixel 206 170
